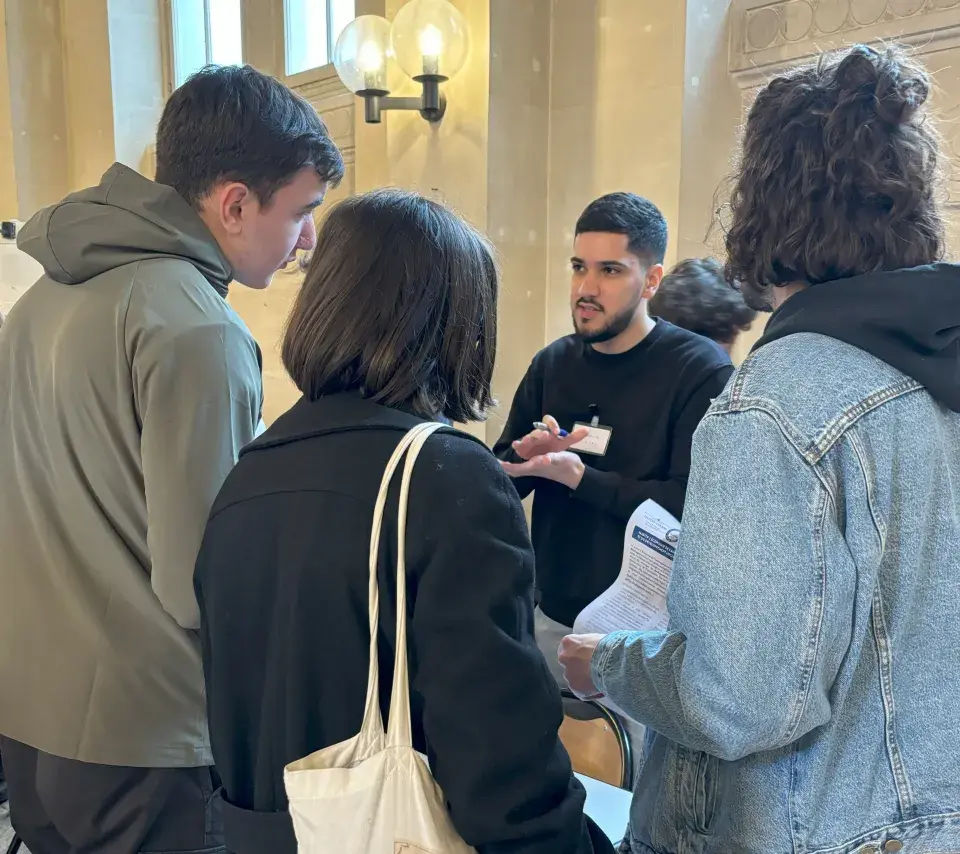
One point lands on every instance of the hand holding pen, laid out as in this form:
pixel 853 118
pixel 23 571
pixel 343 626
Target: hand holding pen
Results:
pixel 547 437
pixel 539 425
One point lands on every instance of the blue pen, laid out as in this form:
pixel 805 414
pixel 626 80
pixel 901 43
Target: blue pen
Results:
pixel 539 425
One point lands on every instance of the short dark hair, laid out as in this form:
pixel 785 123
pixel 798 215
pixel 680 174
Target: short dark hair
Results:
pixel 636 217
pixel 399 302
pixel 233 123
pixel 838 174
pixel 695 295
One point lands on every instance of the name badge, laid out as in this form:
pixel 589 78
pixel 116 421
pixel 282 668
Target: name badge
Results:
pixel 596 441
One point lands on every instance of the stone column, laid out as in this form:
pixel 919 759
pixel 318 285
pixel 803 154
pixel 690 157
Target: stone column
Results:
pixel 37 103
pixel 85 89
pixel 9 205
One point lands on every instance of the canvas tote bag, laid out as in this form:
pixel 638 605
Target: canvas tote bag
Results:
pixel 374 794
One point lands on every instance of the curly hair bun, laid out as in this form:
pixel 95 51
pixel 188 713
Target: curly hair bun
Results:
pixel 883 81
pixel 839 174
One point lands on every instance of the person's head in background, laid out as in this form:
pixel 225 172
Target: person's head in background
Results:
pixel 838 177
pixel 617 265
pixel 399 304
pixel 695 295
pixel 254 159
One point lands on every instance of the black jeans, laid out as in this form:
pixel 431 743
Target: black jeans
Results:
pixel 60 806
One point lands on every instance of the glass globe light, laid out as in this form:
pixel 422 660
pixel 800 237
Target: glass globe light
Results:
pixel 430 39
pixel 362 53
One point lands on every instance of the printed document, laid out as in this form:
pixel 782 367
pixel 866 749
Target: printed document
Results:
pixel 637 601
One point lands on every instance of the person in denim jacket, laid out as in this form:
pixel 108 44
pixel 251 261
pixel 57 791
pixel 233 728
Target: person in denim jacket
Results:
pixel 806 698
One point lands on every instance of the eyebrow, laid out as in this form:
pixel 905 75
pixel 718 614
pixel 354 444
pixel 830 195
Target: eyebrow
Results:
pixel 576 260
pixel 312 206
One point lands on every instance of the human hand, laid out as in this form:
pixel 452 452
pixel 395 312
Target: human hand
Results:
pixel 561 467
pixel 550 441
pixel 576 655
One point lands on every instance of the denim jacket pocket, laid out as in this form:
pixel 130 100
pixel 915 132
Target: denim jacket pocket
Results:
pixel 697 782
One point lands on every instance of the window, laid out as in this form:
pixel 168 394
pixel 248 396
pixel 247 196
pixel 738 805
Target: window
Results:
pixel 311 29
pixel 204 32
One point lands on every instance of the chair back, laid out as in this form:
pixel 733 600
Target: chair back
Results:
pixel 597 742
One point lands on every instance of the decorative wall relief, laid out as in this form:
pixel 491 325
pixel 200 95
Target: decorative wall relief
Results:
pixel 769 35
pixel 795 20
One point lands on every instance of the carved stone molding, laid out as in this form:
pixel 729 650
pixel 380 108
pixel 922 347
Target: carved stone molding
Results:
pixel 335 104
pixel 768 36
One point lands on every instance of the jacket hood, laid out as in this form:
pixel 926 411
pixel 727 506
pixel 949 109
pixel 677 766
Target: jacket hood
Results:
pixel 909 319
pixel 124 219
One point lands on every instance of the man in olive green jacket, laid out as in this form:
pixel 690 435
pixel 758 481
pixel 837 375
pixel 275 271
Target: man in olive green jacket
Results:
pixel 128 386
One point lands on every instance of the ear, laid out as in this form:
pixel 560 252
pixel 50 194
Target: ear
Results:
pixel 233 206
pixel 653 280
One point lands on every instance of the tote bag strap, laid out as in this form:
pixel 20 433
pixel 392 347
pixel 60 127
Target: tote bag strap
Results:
pixel 399 732
pixel 372 728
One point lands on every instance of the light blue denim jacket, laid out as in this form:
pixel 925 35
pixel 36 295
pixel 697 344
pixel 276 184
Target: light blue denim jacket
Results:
pixel 806 699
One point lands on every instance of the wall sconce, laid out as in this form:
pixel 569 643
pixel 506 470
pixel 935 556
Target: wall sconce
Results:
pixel 428 40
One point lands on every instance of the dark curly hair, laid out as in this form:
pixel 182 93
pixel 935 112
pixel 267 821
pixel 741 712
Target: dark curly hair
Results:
pixel 838 175
pixel 695 295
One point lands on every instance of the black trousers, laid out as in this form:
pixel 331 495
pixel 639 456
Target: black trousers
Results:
pixel 60 806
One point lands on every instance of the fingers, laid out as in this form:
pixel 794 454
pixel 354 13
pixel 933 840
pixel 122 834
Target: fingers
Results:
pixel 565 650
pixel 529 445
pixel 553 439
pixel 530 468
pixel 578 646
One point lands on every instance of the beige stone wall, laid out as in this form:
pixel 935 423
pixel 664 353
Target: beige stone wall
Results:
pixel 8 175
pixel 37 102
pixel 561 100
pixel 81 85
pixel 89 90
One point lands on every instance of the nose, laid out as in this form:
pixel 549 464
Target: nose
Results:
pixel 308 235
pixel 589 285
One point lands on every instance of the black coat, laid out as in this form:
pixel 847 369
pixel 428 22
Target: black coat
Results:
pixel 282 584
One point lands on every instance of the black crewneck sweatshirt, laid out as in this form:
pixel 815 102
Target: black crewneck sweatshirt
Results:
pixel 653 397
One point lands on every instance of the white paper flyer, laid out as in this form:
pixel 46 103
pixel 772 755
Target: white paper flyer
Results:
pixel 637 600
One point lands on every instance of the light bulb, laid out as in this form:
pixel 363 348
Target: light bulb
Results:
pixel 431 41
pixel 362 54
pixel 430 38
pixel 431 45
pixel 369 58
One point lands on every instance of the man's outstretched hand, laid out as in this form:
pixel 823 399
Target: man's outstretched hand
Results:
pixel 546 454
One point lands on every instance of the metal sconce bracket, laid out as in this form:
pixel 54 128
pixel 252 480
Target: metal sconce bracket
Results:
pixel 431 105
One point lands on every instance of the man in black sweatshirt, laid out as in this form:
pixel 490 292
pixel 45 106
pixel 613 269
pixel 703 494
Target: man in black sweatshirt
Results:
pixel 627 391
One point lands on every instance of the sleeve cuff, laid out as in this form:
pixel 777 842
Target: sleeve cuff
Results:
pixel 605 658
pixel 597 487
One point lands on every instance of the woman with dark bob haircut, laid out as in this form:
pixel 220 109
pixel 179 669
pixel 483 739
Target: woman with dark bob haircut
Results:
pixel 395 325
pixel 805 698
